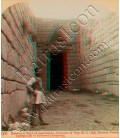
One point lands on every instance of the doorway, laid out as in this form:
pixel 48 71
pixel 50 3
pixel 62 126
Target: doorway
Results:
pixel 56 72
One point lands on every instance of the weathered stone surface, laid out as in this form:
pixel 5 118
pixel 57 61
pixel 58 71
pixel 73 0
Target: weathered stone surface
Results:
pixel 6 107
pixel 15 54
pixel 10 86
pixel 4 47
pixel 3 84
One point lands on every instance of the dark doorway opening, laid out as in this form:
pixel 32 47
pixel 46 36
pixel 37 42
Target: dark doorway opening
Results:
pixel 56 72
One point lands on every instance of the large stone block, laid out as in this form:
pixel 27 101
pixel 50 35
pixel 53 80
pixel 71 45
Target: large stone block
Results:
pixel 3 86
pixel 2 68
pixel 18 99
pixel 9 86
pixel 11 55
pixel 6 107
pixel 7 31
pixel 4 47
pixel 13 74
pixel 8 71
pixel 20 86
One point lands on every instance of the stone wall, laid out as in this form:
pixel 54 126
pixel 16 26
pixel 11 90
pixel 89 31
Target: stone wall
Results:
pixel 98 50
pixel 16 59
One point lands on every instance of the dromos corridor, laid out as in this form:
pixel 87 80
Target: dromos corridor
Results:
pixel 77 55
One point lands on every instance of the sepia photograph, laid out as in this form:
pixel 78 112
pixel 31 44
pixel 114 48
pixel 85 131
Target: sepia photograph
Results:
pixel 59 68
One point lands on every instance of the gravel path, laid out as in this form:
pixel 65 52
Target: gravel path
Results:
pixel 81 111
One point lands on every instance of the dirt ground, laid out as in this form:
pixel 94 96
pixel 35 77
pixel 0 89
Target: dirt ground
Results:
pixel 76 111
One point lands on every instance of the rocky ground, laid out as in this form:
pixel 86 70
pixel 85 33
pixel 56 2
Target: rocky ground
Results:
pixel 82 111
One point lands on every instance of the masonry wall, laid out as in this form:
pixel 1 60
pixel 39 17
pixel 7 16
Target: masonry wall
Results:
pixel 17 57
pixel 101 59
pixel 72 63
pixel 95 54
pixel 96 47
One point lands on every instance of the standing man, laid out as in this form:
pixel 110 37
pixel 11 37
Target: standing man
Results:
pixel 34 87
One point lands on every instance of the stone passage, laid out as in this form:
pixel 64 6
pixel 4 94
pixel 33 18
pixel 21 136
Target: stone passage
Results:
pixel 89 56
